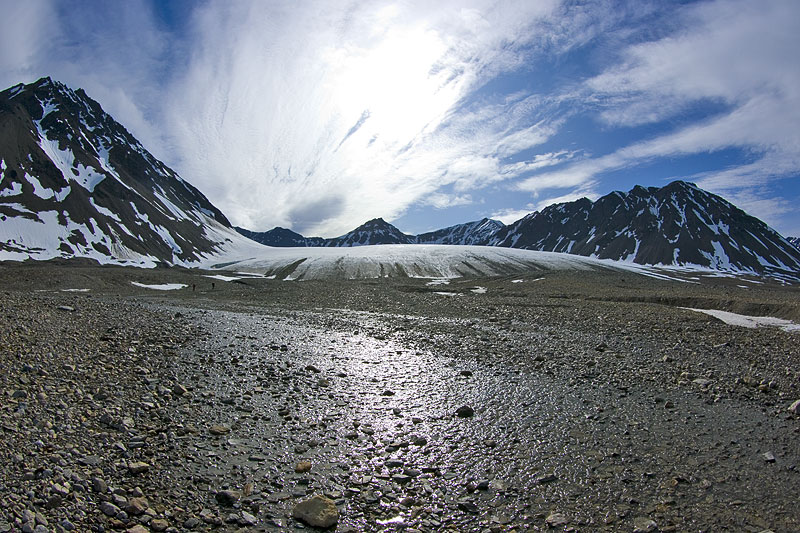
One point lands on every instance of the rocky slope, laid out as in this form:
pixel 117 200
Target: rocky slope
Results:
pixel 479 232
pixel 281 237
pixel 74 182
pixel 679 224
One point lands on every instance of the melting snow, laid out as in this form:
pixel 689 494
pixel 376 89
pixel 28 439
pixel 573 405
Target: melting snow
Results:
pixel 161 287
pixel 748 321
pixel 479 290
pixel 64 160
pixel 243 275
pixel 16 189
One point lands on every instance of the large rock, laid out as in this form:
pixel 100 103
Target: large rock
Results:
pixel 317 511
pixel 795 407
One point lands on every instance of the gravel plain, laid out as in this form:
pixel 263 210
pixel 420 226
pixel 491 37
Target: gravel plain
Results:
pixel 545 402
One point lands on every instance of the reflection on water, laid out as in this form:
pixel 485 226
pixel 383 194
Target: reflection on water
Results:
pixel 372 408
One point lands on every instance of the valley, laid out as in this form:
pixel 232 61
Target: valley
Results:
pixel 582 401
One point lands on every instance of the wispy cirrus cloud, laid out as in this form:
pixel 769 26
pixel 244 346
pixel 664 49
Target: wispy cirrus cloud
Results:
pixel 735 55
pixel 364 106
pixel 318 115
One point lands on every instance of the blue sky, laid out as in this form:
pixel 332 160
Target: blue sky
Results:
pixel 319 115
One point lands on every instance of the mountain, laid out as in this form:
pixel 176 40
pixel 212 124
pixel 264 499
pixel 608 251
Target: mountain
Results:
pixel 378 231
pixel 281 237
pixel 75 183
pixel 794 241
pixel 479 232
pixel 375 231
pixel 679 224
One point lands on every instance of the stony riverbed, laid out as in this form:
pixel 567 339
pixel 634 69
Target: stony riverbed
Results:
pixel 544 403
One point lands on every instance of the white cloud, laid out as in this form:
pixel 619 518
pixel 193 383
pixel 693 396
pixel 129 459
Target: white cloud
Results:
pixel 354 108
pixel 737 54
pixel 508 216
pixel 318 115
pixel 584 192
pixel 27 29
pixel 441 200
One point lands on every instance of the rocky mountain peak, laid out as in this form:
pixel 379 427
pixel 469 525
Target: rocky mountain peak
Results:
pixel 75 182
pixel 678 224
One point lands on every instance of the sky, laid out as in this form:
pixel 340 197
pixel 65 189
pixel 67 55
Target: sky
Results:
pixel 320 115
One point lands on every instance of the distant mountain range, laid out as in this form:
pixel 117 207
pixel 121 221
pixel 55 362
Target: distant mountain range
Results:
pixel 75 183
pixel 378 231
pixel 677 224
pixel 673 225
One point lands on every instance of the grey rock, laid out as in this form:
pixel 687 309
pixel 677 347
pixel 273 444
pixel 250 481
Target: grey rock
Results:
pixel 556 520
pixel 138 467
pixel 109 509
pixel 643 524
pixel 317 511
pixel 227 497
pixel 465 411
pixel 247 519
pixel 795 407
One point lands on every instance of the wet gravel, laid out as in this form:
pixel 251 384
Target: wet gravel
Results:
pixel 548 404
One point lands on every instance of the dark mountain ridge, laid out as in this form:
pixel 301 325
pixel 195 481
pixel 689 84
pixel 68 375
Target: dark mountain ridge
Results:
pixel 678 224
pixel 378 231
pixel 479 232
pixel 281 238
pixel 375 231
pixel 74 179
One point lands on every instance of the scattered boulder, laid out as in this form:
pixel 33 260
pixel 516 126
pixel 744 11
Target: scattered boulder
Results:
pixel 219 429
pixel 159 524
pixel 643 524
pixel 556 520
pixel 795 407
pixel 317 511
pixel 465 411
pixel 227 497
pixel 302 467
pixel 138 467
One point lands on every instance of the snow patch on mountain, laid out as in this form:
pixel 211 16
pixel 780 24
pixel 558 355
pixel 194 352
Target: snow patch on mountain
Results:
pixel 679 224
pixel 75 183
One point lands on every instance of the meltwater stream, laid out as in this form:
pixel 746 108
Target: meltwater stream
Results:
pixel 370 401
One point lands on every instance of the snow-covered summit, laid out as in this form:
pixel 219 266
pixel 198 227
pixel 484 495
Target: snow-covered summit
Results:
pixel 75 183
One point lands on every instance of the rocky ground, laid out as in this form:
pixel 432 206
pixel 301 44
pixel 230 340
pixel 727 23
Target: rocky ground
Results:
pixel 555 401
